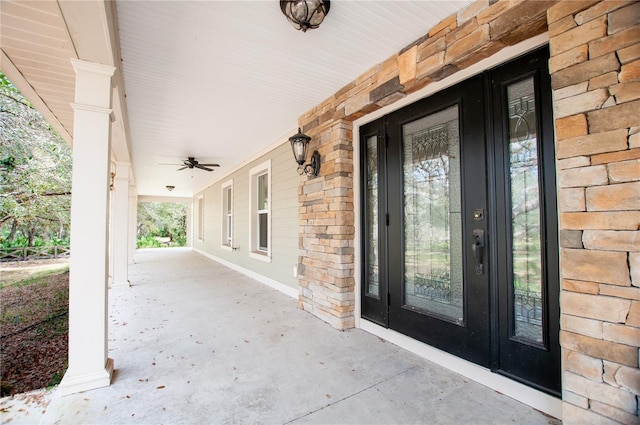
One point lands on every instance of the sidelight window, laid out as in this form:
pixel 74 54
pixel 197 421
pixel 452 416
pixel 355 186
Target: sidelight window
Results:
pixel 526 258
pixel 372 248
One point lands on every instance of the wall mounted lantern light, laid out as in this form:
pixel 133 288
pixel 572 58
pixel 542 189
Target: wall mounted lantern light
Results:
pixel 299 144
pixel 305 14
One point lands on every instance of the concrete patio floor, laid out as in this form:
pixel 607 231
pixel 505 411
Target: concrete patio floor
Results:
pixel 195 342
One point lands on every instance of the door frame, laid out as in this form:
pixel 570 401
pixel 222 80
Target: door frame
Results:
pixel 523 393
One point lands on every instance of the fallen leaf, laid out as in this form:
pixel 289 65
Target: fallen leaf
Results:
pixel 160 387
pixel 328 395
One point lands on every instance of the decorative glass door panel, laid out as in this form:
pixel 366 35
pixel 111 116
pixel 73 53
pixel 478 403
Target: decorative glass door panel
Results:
pixel 432 216
pixel 373 247
pixel 525 212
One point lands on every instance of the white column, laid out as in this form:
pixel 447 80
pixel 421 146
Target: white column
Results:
pixel 89 366
pixel 120 235
pixel 111 222
pixel 189 224
pixel 133 223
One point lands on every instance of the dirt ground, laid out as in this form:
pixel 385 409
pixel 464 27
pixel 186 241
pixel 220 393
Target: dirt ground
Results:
pixel 17 271
pixel 33 326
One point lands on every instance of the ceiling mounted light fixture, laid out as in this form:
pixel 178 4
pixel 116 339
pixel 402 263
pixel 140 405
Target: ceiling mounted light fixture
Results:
pixel 305 14
pixel 170 188
pixel 299 144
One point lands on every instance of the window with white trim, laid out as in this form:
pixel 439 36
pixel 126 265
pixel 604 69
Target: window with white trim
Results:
pixel 227 214
pixel 260 220
pixel 201 217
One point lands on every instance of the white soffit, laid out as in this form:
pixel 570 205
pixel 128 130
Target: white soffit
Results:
pixel 35 56
pixel 223 80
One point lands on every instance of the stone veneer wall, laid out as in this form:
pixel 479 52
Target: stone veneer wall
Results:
pixel 326 222
pixel 595 68
pixel 595 76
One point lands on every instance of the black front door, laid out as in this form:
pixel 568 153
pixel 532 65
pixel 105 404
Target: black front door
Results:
pixel 459 222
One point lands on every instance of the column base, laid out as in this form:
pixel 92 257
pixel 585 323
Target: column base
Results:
pixel 123 284
pixel 74 384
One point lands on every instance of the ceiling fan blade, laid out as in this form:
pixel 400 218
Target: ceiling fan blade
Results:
pixel 210 165
pixel 202 167
pixel 166 163
pixel 182 168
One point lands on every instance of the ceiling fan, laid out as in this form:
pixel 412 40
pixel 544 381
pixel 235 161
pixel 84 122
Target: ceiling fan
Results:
pixel 191 162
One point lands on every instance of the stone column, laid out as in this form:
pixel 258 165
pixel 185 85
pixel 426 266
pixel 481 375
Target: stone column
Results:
pixel 326 232
pixel 89 366
pixel 133 223
pixel 120 235
pixel 596 81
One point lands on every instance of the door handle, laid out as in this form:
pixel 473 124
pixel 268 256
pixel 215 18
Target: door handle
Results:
pixel 478 249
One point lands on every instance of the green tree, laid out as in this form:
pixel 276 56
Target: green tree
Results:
pixel 161 220
pixel 35 174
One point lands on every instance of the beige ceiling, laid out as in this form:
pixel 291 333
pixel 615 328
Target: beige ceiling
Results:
pixel 218 80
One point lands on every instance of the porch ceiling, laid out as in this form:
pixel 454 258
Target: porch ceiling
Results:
pixel 217 80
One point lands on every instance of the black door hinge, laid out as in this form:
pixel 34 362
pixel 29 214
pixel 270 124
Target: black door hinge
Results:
pixel 387 218
pixel 388 298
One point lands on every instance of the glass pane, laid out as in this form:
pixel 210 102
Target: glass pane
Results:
pixel 228 200
pixel 525 211
pixel 432 216
pixel 372 217
pixel 263 192
pixel 263 244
